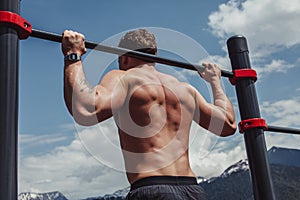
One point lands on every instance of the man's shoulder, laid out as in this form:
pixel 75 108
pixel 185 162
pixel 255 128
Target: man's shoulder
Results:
pixel 112 76
pixel 116 72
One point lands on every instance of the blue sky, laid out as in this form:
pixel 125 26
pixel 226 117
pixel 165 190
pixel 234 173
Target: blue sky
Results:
pixel 56 154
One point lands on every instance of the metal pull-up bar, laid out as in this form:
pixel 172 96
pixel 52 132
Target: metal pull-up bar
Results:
pixel 279 129
pixel 121 51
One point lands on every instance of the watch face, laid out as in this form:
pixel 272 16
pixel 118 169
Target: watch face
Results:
pixel 72 57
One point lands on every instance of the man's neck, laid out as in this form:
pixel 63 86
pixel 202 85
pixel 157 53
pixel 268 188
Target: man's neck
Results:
pixel 147 66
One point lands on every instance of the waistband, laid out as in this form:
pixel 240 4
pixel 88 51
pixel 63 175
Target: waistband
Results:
pixel 164 180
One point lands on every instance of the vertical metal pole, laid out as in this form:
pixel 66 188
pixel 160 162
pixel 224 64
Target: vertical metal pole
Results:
pixel 249 108
pixel 9 47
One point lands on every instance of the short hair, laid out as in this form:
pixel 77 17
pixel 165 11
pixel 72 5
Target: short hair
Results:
pixel 139 40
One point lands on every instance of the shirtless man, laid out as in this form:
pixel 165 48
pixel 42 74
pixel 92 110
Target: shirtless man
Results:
pixel 153 112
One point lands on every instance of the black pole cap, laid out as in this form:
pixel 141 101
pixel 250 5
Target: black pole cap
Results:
pixel 237 44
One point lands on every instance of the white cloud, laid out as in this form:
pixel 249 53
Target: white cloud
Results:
pixel 284 112
pixel 222 61
pixel 30 139
pixel 217 161
pixel 268 26
pixel 69 169
pixel 276 65
pixel 282 140
pixel 264 22
pixel 210 155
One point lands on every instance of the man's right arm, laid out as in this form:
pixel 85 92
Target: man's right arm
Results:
pixel 217 117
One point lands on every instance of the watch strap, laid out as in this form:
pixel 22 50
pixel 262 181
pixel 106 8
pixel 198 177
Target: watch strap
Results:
pixel 72 57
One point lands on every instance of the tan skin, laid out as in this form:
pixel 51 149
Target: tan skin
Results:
pixel 153 111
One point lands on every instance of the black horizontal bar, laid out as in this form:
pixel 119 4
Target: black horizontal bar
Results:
pixel 283 130
pixel 121 51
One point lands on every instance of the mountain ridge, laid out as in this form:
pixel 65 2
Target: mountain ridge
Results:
pixel 56 195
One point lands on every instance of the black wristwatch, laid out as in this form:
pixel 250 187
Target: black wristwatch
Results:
pixel 73 57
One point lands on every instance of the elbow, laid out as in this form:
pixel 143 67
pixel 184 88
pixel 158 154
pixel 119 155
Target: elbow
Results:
pixel 84 117
pixel 82 121
pixel 229 129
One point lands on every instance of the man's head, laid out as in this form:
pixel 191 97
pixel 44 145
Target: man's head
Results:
pixel 138 40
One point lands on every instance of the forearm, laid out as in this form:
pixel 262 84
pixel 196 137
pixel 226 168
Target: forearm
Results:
pixel 223 105
pixel 78 93
pixel 219 96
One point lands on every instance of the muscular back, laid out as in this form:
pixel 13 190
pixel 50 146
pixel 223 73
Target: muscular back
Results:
pixel 153 111
pixel 154 124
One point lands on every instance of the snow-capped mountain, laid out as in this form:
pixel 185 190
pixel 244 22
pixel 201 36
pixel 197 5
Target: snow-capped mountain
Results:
pixel 201 179
pixel 39 196
pixel 118 195
pixel 242 165
pixel 122 192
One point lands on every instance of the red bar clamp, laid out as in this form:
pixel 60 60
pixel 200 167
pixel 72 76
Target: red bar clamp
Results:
pixel 242 74
pixel 14 20
pixel 252 123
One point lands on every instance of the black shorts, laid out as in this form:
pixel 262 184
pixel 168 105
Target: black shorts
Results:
pixel 166 188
